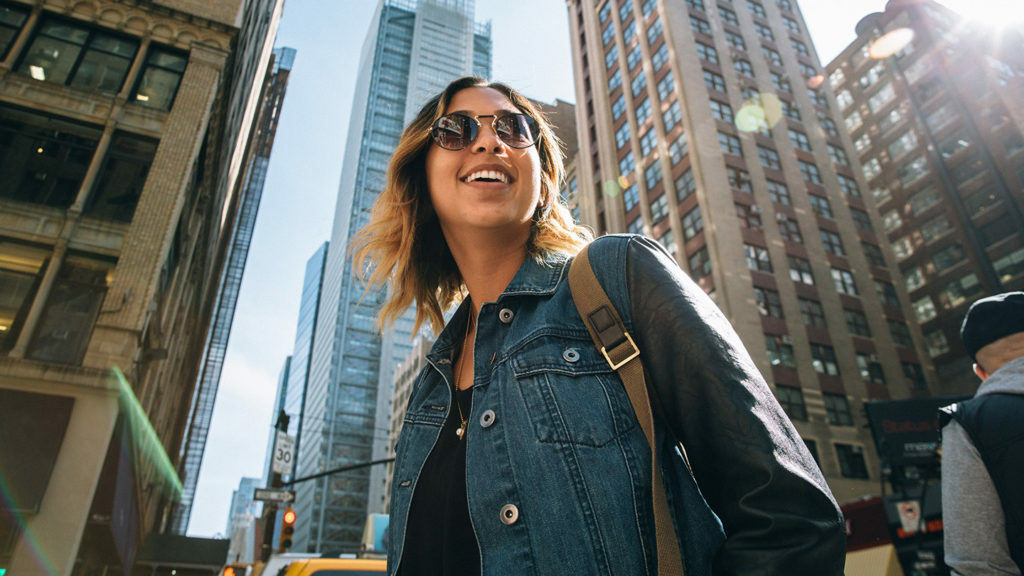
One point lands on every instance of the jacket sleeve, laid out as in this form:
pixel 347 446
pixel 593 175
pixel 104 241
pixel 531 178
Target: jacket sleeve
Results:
pixel 974 533
pixel 752 466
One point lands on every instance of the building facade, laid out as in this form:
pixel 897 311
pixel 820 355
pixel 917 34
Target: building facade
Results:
pixel 937 127
pixel 413 49
pixel 708 126
pixel 126 128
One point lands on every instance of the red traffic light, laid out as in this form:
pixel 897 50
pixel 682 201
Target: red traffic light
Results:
pixel 289 516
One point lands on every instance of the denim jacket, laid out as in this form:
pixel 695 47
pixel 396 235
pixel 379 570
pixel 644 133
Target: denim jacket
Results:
pixel 557 467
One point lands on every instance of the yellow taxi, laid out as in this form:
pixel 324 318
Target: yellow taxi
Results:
pixel 336 567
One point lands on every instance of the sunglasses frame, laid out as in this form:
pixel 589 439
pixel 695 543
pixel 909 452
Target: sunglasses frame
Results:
pixel 531 122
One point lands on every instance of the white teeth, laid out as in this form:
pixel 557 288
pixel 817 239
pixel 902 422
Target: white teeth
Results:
pixel 487 175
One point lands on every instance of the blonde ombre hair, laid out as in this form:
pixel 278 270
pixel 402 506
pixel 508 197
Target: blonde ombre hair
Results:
pixel 402 245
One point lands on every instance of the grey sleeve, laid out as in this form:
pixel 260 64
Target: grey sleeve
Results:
pixel 974 529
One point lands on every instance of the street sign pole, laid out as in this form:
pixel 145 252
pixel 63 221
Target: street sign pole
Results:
pixel 270 507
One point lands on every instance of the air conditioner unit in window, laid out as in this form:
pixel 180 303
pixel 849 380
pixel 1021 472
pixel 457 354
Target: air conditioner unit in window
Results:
pixel 755 209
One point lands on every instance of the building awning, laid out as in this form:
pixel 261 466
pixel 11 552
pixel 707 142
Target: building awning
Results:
pixel 172 550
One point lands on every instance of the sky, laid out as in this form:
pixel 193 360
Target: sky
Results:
pixel 531 53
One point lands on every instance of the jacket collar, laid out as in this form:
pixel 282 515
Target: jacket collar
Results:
pixel 535 277
pixel 1008 379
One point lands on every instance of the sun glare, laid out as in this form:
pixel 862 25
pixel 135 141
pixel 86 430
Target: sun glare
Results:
pixel 995 13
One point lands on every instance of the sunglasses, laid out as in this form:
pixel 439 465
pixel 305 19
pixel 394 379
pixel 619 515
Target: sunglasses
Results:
pixel 455 131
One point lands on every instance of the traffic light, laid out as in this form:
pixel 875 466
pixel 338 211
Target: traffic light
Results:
pixel 284 542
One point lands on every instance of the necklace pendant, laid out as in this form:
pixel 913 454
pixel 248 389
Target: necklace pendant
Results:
pixel 459 431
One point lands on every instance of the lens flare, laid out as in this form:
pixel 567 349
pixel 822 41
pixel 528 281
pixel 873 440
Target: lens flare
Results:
pixel 815 81
pixel 891 43
pixel 623 181
pixel 27 536
pixel 759 113
pixel 146 441
pixel 611 188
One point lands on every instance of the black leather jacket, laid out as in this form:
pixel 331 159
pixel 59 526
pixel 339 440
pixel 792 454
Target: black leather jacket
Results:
pixel 752 466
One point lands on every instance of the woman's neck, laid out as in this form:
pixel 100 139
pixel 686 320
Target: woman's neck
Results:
pixel 487 268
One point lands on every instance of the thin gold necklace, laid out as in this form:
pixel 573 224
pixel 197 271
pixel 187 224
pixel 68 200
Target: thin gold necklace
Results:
pixel 460 432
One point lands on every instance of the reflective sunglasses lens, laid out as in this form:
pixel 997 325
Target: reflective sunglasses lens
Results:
pixel 454 131
pixel 516 130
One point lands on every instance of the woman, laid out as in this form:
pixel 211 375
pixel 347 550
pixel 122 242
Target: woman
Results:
pixel 520 452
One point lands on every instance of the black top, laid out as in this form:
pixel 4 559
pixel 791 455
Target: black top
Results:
pixel 439 537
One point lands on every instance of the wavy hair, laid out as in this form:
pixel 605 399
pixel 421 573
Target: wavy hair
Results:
pixel 402 245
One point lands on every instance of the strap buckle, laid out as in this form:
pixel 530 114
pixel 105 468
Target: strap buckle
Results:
pixel 633 354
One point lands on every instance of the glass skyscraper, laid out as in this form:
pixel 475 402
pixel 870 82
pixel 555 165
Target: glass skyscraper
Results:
pixel 413 50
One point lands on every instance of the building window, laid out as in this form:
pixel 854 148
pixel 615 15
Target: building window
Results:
pixel 887 294
pixel 666 86
pixel 913 278
pixel 696 4
pixel 791 399
pixel 607 34
pixel 730 144
pixel 11 20
pixel 914 375
pixel 634 57
pixel 873 254
pixel 870 368
pixel 738 179
pixel 837 155
pixel 75 55
pixel 626 10
pixel 630 197
pixel 20 273
pixel 800 47
pixel 832 242
pixel 778 193
pixel 721 111
pixel 781 83
pixel 622 136
pixel 756 8
pixel 707 53
pixel 936 228
pixel 799 140
pixel 772 56
pixel 861 219
pixel 605 11
pixel 743 67
pixel 812 313
pixel 648 141
pixel 660 57
pixel 638 84
pixel 857 323
pixel 851 461
pixel 672 116
pixel 700 263
pixel 765 32
pixel 618 108
pixel 824 359
pixel 758 258
pixel 900 334
pixel 780 350
pixel 648 7
pixel 789 229
pixel 769 158
pixel 643 111
pixel 948 257
pixel 838 410
pixel 790 109
pixel 750 216
pixel 161 75
pixel 636 226
pixel 735 40
pixel 669 242
pixel 891 220
pixel 693 223
pixel 960 291
pixel 936 343
pixel 121 178
pixel 659 209
pixel 828 125
pixel 630 32
pixel 66 324
pixel 821 206
pixel 924 309
pixel 728 15
pixel 627 165
pixel 843 282
pixel 700 26
pixel 652 175
pixel 809 171
pixel 685 185
pixel 714 81
pixel 615 80
pixel 678 149
pixel 653 32
pixel 611 57
pixel 800 270
pixel 849 187
pixel 45 158
pixel 768 302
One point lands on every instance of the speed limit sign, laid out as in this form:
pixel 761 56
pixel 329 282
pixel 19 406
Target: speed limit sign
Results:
pixel 284 453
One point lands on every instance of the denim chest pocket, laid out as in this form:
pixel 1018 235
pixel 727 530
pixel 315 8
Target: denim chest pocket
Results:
pixel 571 394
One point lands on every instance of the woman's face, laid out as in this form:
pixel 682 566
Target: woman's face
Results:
pixel 463 188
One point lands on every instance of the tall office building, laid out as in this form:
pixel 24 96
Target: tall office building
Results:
pixel 126 130
pixel 938 129
pixel 271 94
pixel 707 126
pixel 413 49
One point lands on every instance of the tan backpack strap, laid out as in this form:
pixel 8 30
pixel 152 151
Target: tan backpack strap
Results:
pixel 619 349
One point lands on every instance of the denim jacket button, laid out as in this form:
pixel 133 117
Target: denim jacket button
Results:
pixel 487 419
pixel 505 315
pixel 509 514
pixel 571 355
